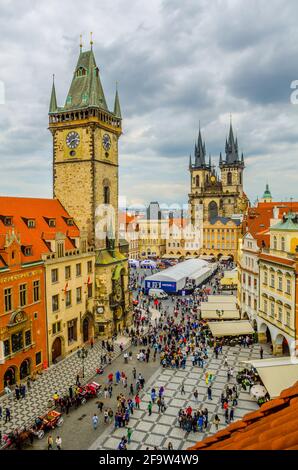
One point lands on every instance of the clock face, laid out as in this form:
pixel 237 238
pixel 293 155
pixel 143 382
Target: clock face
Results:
pixel 106 141
pixel 72 139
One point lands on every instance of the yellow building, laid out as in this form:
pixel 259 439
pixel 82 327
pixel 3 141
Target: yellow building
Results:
pixel 278 310
pixel 85 176
pixel 220 237
pixel 69 277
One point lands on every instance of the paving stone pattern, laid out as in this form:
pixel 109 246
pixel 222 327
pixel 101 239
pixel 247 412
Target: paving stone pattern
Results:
pixel 161 428
pixel 57 378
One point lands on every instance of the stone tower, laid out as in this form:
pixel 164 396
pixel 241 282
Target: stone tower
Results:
pixel 85 179
pixel 216 196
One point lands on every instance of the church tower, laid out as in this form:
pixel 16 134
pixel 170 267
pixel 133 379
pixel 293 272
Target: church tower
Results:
pixel 231 169
pixel 85 179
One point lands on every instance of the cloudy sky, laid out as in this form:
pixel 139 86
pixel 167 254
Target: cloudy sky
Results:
pixel 177 63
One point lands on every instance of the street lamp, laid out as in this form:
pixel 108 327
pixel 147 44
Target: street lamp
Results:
pixel 83 353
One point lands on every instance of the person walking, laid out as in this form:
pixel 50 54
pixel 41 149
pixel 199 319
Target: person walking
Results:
pixel 17 392
pixel 129 433
pixel 134 373
pixel 182 389
pixel 196 395
pixel 216 422
pixel 58 442
pixel 95 421
pixel 7 415
pixel 50 442
pixel 261 352
pixel 170 446
pixel 150 408
pixel 137 401
pixel 209 391
pixel 232 414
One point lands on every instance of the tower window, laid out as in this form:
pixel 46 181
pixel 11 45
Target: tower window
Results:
pixel 229 178
pixel 106 194
pixel 81 72
pixel 197 180
pixel 240 178
pixel 52 223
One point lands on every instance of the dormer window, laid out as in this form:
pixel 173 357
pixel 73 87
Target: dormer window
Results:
pixel 81 72
pixel 52 222
pixel 8 221
pixel 28 250
pixel 31 223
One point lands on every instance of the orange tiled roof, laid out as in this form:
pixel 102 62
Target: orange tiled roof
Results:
pixel 41 210
pixel 273 427
pixel 257 220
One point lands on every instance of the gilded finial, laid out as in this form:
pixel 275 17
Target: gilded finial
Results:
pixel 81 43
pixel 91 40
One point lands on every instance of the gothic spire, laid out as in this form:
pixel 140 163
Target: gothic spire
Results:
pixel 53 101
pixel 117 109
pixel 231 148
pixel 200 152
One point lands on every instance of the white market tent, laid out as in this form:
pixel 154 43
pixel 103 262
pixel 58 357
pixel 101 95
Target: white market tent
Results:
pixel 191 269
pixel 229 314
pixel 231 328
pixel 277 374
pixel 212 307
pixel 220 299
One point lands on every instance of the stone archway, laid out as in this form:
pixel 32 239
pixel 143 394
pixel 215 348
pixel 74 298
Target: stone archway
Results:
pixel 56 349
pixel 10 376
pixel 281 346
pixel 25 369
pixel 264 334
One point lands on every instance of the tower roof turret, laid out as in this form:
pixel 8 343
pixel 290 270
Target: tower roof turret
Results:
pixel 53 102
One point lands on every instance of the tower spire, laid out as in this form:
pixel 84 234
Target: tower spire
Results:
pixel 53 101
pixel 81 43
pixel 91 40
pixel 117 109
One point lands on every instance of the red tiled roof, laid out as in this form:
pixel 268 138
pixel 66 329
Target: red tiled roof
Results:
pixel 273 427
pixel 21 209
pixel 257 220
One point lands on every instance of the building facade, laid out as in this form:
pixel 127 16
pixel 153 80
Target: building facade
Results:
pixel 220 237
pixel 85 179
pixel 277 316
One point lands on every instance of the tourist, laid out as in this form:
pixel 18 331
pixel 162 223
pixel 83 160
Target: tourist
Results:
pixel 50 442
pixel 58 442
pixel 216 422
pixel 150 408
pixel 95 421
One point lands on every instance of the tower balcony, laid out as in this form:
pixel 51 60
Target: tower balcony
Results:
pixel 106 119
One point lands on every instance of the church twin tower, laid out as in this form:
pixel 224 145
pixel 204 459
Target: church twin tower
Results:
pixel 219 197
pixel 85 180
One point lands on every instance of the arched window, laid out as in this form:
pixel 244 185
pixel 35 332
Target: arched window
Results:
pixel 274 243
pixel 240 178
pixel 283 244
pixel 212 210
pixel 106 195
pixel 197 180
pixel 229 178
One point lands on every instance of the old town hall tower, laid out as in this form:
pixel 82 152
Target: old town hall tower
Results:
pixel 85 179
